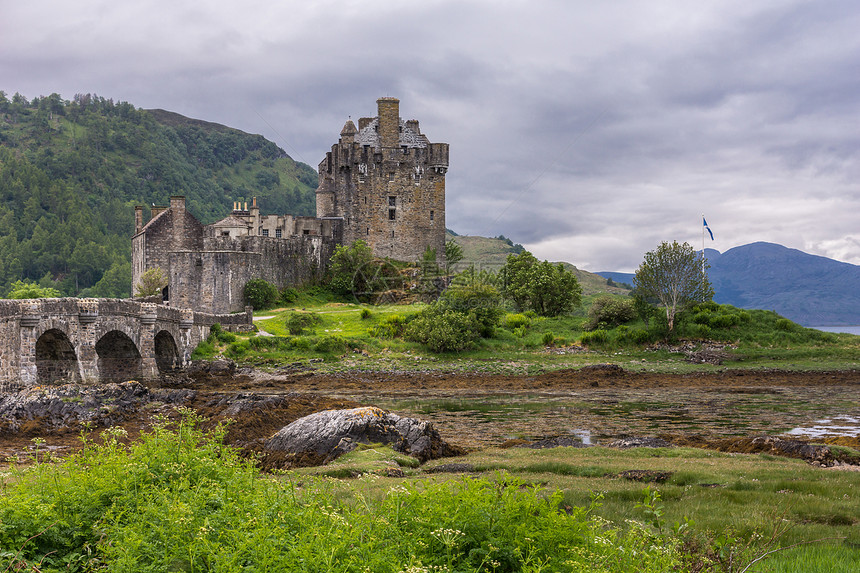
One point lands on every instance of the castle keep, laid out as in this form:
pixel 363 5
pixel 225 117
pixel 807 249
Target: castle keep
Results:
pixel 386 181
pixel 383 183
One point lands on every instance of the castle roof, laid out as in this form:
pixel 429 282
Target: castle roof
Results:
pixel 348 128
pixel 408 136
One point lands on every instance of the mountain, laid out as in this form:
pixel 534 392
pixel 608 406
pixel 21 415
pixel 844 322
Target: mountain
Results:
pixel 71 173
pixel 807 289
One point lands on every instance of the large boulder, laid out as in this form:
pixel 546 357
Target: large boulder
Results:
pixel 326 435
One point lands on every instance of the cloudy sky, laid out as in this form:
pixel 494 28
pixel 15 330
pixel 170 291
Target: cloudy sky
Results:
pixel 588 131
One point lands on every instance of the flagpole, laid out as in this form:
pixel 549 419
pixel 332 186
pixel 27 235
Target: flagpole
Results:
pixel 703 254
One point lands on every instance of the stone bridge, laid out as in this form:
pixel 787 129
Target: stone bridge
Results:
pixel 98 340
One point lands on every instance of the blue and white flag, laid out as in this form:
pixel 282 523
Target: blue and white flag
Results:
pixel 705 223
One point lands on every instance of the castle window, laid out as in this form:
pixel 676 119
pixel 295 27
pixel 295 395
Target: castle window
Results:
pixel 391 176
pixel 392 201
pixel 392 207
pixel 391 214
pixel 278 232
pixel 367 232
pixel 265 232
pixel 306 232
pixel 431 214
pixel 417 178
pixel 361 178
pixel 225 233
pixel 392 234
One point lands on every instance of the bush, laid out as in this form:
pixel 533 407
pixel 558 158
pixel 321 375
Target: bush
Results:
pixel 331 344
pixel 512 321
pixel 597 337
pixel 365 313
pixel 548 339
pixel 444 330
pixel 391 326
pixel 260 294
pixel 482 302
pixel 298 322
pixel 609 311
pixel 289 295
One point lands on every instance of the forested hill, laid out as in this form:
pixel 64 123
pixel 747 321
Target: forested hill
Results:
pixel 71 173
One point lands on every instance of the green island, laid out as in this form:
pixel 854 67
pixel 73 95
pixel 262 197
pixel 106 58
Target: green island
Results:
pixel 176 497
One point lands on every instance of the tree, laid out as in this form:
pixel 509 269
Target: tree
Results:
pixel 545 288
pixel 260 294
pixel 151 283
pixel 24 289
pixel 674 275
pixel 351 268
pixel 453 253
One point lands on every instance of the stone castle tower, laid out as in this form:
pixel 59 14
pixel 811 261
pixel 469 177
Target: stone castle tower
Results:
pixel 386 181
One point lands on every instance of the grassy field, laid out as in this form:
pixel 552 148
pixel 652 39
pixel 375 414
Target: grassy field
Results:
pixel 342 335
pixel 741 503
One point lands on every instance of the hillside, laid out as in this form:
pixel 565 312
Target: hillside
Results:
pixel 491 253
pixel 72 171
pixel 808 289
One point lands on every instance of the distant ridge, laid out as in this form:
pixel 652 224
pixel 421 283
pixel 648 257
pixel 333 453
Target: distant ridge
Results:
pixel 808 289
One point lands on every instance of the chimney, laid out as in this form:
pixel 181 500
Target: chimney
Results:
pixel 177 202
pixel 389 121
pixel 138 219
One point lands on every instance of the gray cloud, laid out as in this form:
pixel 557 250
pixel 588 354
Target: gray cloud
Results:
pixel 588 131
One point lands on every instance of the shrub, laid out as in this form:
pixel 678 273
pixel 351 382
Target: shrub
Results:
pixel 260 294
pixel 298 322
pixel 365 313
pixel 391 326
pixel 597 337
pixel 289 295
pixel 548 339
pixel 482 302
pixel 785 325
pixel 609 311
pixel 444 330
pixel 331 344
pixel 512 321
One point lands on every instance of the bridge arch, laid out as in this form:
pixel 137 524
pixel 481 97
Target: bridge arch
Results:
pixel 56 359
pixel 119 359
pixel 167 355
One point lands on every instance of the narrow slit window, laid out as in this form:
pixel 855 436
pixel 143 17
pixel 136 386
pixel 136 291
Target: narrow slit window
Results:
pixel 431 214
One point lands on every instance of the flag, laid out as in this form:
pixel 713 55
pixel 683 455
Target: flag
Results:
pixel 705 223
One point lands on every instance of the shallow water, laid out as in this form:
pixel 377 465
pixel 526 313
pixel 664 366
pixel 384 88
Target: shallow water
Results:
pixel 835 426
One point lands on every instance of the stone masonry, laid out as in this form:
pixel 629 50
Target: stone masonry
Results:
pixel 98 340
pixel 387 182
pixel 382 183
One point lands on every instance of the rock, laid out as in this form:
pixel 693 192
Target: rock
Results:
pixel 329 434
pixel 646 476
pixel 816 455
pixel 639 443
pixel 218 367
pixel 66 407
pixel 557 442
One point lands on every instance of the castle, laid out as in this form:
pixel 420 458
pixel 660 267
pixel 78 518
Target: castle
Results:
pixel 383 183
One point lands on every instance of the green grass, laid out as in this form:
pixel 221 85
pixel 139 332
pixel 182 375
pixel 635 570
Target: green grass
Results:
pixel 354 336
pixel 177 500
